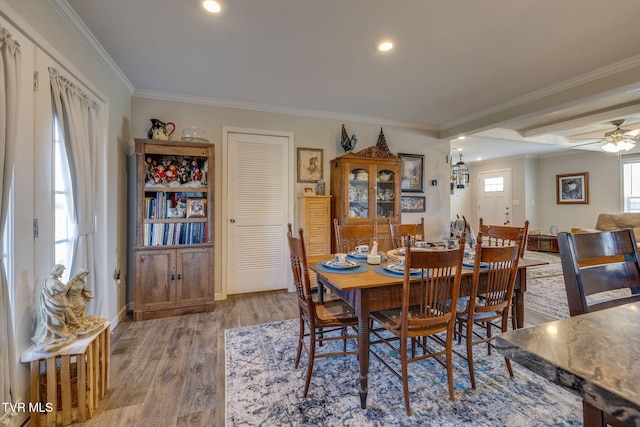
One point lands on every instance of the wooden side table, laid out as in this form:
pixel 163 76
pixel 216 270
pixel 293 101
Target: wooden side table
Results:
pixel 67 384
pixel 543 243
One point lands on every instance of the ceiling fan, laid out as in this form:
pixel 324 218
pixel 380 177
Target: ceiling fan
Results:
pixel 616 140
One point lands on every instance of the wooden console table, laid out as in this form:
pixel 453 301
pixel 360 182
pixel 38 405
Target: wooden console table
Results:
pixel 67 384
pixel 543 243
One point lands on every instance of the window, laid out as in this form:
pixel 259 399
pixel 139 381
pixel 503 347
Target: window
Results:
pixel 631 186
pixel 63 201
pixel 493 185
pixel 7 240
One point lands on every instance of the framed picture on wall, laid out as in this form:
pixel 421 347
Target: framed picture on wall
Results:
pixel 413 203
pixel 572 188
pixel 412 172
pixel 309 164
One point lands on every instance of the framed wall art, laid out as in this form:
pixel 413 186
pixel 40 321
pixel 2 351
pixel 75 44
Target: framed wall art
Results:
pixel 196 207
pixel 413 203
pixel 309 164
pixel 412 172
pixel 572 188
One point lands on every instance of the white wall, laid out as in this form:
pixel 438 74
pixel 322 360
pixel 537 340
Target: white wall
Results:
pixel 604 189
pixel 534 185
pixel 46 28
pixel 310 132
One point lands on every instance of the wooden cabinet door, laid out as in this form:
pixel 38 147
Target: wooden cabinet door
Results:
pixel 194 279
pixel 155 279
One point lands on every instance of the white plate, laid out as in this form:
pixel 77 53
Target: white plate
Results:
pixel 340 265
pixel 397 268
pixel 358 254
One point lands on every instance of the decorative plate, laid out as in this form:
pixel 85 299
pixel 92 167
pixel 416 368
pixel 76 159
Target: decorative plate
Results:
pixel 340 265
pixel 358 255
pixel 394 267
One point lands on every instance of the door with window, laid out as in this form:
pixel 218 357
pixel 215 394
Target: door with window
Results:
pixel 494 197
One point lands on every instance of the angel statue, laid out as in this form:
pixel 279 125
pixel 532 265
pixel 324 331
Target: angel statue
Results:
pixel 57 323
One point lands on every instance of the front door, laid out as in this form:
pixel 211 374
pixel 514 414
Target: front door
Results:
pixel 259 207
pixel 494 196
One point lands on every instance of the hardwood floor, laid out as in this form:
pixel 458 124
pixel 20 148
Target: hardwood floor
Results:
pixel 170 372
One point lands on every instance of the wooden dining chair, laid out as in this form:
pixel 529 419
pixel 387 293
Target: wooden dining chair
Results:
pixel 428 310
pixel 403 235
pixel 350 236
pixel 488 309
pixel 461 224
pixel 593 263
pixel 500 235
pixel 322 320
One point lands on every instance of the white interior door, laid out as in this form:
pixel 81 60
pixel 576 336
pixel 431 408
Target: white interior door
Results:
pixel 259 200
pixel 494 197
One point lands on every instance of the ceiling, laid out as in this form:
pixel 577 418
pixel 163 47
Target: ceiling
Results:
pixel 514 77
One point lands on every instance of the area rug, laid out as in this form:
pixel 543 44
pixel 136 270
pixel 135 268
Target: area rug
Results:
pixel 264 389
pixel 546 293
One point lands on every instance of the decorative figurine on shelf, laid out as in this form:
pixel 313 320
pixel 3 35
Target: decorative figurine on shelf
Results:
pixel 348 143
pixel 160 176
pixel 382 142
pixel 61 314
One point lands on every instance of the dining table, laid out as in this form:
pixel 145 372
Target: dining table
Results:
pixel 368 290
pixel 594 355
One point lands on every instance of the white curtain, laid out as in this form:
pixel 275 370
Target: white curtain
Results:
pixel 78 118
pixel 9 83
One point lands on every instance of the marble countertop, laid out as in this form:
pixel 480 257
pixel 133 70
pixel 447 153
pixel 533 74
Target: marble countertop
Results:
pixel 595 355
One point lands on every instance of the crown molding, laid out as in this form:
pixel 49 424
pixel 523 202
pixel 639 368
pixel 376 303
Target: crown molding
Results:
pixel 610 70
pixel 252 106
pixel 91 42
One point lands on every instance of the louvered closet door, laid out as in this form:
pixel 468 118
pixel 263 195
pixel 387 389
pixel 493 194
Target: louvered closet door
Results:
pixel 258 203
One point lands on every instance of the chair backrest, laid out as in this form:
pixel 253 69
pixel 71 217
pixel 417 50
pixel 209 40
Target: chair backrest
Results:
pixel 433 297
pixel 501 263
pixel 300 270
pixel 593 263
pixel 403 235
pixel 501 235
pixel 350 236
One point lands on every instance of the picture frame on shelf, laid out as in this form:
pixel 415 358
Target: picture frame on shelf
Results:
pixel 196 207
pixel 412 172
pixel 572 188
pixel 413 203
pixel 308 190
pixel 309 164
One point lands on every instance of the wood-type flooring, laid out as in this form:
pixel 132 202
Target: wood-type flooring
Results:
pixel 170 372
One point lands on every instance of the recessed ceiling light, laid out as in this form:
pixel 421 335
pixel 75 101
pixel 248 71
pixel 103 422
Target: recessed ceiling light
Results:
pixel 385 46
pixel 462 137
pixel 211 6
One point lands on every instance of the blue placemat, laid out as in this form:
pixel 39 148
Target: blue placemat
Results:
pixel 359 269
pixel 381 270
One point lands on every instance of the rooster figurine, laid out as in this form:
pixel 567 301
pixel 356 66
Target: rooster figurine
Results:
pixel 347 143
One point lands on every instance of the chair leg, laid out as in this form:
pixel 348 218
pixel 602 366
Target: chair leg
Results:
pixel 300 341
pixel 469 337
pixel 449 356
pixel 405 374
pixel 489 326
pixel 312 357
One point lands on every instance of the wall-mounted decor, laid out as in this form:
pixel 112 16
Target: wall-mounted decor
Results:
pixel 572 188
pixel 309 164
pixel 412 172
pixel 413 203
